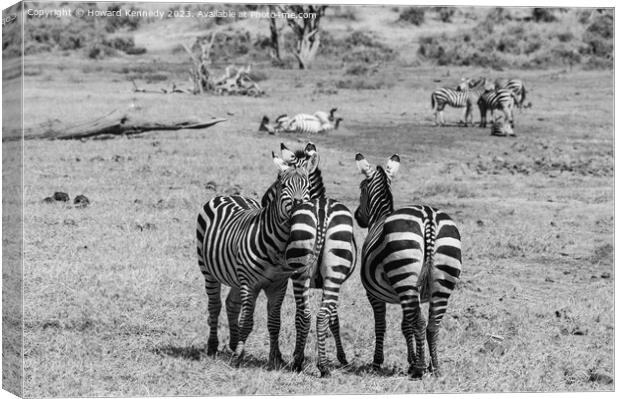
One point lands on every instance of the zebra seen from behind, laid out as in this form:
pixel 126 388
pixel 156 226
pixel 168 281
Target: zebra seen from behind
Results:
pixel 239 244
pixel 502 99
pixel 464 96
pixel 321 244
pixel 410 256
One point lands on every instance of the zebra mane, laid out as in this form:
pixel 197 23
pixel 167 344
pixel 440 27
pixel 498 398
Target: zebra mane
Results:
pixel 385 182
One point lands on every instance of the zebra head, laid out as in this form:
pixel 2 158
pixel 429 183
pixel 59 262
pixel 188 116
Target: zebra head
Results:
pixel 375 191
pixel 307 158
pixel 291 188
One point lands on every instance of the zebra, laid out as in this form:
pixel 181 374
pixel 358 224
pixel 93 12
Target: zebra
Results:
pixel 239 244
pixel 516 86
pixel 322 231
pixel 502 99
pixel 501 128
pixel 410 255
pixel 319 122
pixel 464 96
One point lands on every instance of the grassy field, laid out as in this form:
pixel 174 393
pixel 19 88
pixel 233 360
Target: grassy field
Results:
pixel 113 298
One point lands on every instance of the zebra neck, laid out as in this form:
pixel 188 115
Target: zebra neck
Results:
pixel 274 226
pixel 317 188
pixel 379 210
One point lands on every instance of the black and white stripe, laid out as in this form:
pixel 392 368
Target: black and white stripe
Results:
pixel 516 86
pixel 322 244
pixel 240 244
pixel 411 255
pixel 502 99
pixel 464 96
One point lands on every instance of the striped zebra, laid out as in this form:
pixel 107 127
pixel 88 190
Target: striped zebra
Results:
pixel 322 244
pixel 502 99
pixel 516 86
pixel 240 244
pixel 501 128
pixel 319 122
pixel 410 255
pixel 464 96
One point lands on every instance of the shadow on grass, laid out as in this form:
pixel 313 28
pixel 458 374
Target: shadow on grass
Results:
pixel 197 353
pixel 366 369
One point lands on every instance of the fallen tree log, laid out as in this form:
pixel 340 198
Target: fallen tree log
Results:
pixel 112 125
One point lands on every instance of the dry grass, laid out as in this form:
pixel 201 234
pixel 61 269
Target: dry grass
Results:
pixel 114 302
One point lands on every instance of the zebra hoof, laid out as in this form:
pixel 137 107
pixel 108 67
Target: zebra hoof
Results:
pixel 343 360
pixel 376 367
pixel 416 373
pixel 298 365
pixel 324 371
pixel 212 348
pixel 275 363
pixel 434 371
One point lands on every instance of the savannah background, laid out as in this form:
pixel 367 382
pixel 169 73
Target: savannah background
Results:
pixel 114 302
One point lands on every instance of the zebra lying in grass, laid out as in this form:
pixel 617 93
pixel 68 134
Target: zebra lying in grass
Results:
pixel 319 122
pixel 239 244
pixel 464 96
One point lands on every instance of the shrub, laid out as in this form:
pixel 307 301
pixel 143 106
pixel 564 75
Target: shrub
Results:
pixel 446 13
pixel 543 15
pixel 413 15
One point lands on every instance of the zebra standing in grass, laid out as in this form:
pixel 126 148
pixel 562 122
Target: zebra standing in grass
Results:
pixel 516 86
pixel 502 99
pixel 464 96
pixel 322 241
pixel 410 255
pixel 240 244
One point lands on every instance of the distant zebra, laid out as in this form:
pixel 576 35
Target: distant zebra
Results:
pixel 319 122
pixel 321 234
pixel 502 100
pixel 240 244
pixel 465 96
pixel 410 255
pixel 501 128
pixel 516 86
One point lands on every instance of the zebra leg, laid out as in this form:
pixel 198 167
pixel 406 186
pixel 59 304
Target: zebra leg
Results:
pixel 413 315
pixel 246 320
pixel 334 326
pixel 301 289
pixel 378 308
pixel 275 295
pixel 432 331
pixel 213 288
pixel 233 306
pixel 323 319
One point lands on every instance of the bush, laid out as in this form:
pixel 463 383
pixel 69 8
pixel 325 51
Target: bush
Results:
pixel 358 47
pixel 446 13
pixel 413 15
pixel 543 15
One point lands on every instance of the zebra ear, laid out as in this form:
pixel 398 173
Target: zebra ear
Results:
pixel 391 168
pixel 287 155
pixel 363 165
pixel 280 164
pixel 313 161
pixel 310 148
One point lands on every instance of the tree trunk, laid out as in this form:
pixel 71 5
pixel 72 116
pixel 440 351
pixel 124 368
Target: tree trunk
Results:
pixel 275 42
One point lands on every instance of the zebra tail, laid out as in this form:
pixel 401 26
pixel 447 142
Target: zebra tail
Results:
pixel 425 280
pixel 522 96
pixel 433 101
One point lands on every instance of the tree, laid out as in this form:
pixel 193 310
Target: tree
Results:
pixel 306 29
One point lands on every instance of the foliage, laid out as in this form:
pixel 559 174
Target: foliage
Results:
pixel 543 15
pixel 359 46
pixel 413 15
pixel 445 13
pixel 502 40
